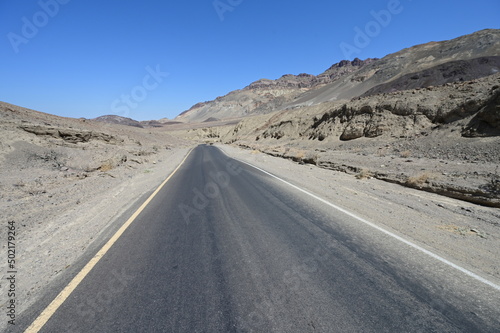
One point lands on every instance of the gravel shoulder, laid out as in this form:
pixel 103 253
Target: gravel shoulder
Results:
pixel 462 232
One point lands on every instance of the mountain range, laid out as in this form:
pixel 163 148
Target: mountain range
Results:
pixel 435 63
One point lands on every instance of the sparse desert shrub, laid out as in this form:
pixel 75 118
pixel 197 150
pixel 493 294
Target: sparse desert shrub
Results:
pixel 113 163
pixel 364 173
pixel 420 179
pixel 310 157
pixel 405 154
pixel 106 166
pixel 463 231
pixel 300 155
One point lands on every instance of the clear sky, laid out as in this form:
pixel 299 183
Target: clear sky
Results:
pixel 152 59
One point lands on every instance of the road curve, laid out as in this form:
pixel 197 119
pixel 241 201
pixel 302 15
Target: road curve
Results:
pixel 223 247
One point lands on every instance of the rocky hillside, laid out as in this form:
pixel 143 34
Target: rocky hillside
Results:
pixel 460 70
pixel 474 105
pixel 81 146
pixel 465 58
pixel 264 96
pixel 113 119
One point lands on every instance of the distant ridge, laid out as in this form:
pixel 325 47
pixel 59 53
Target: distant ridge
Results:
pixel 113 119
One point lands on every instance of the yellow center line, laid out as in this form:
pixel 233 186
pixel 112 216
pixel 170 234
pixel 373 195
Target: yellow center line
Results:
pixel 49 311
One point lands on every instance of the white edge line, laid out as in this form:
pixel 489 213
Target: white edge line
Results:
pixel 373 225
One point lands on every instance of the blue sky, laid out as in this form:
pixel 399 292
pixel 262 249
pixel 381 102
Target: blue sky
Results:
pixel 152 59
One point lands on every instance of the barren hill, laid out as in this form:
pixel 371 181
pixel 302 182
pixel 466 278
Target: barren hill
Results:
pixel 465 58
pixel 264 96
pixel 114 119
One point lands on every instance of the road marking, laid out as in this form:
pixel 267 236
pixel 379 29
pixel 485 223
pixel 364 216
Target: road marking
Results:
pixel 373 225
pixel 49 311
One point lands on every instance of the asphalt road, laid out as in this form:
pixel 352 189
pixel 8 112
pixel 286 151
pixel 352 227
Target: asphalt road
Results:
pixel 224 247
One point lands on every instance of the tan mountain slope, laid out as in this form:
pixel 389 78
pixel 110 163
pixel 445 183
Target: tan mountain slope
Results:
pixel 264 96
pixel 464 58
pixel 468 57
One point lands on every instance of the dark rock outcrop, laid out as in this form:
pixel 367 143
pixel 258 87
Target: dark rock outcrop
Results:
pixel 69 135
pixel 453 71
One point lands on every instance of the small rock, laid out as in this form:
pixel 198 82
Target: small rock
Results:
pixel 479 233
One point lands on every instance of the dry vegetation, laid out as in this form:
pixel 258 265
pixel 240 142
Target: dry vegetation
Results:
pixel 420 179
pixel 364 174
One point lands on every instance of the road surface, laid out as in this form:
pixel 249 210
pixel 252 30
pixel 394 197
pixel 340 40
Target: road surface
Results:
pixel 224 247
